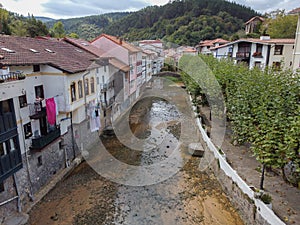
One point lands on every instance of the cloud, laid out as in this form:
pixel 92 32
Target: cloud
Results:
pixel 80 8
pixel 270 5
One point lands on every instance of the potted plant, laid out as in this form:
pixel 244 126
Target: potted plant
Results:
pixel 256 54
pixel 267 199
pixel 21 76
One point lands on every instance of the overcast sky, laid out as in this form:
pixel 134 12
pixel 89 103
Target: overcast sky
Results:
pixel 58 9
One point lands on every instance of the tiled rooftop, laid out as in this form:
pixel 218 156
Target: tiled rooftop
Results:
pixel 34 51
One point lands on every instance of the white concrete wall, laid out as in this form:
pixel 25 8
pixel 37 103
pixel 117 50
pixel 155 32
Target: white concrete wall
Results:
pixel 262 60
pixel 286 58
pixel 296 53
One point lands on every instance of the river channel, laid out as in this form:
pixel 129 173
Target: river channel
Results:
pixel 142 176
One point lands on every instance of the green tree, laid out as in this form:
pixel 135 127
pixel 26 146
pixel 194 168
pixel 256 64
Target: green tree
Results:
pixel 18 28
pixel 58 30
pixel 73 35
pixel 282 26
pixel 4 17
pixel 36 27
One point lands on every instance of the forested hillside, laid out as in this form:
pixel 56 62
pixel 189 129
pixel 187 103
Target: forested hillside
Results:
pixel 88 27
pixel 183 22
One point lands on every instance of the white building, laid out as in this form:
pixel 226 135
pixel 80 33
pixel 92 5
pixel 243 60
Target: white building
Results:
pixel 48 96
pixel 157 47
pixel 296 52
pixel 258 52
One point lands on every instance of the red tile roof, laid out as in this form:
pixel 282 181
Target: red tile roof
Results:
pixel 295 11
pixel 254 18
pixel 83 44
pixel 35 51
pixel 120 42
pixel 257 40
pixel 213 42
pixel 119 65
pixel 150 42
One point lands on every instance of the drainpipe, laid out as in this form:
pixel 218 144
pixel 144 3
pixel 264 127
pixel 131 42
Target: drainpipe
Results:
pixel 30 194
pixel 73 139
pixel 85 100
pixel 18 193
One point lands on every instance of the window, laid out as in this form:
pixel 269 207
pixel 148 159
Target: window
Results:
pixel 86 87
pixel 104 68
pixel 257 64
pixel 98 80
pixel 61 145
pixel 23 101
pixel 39 92
pixel 27 130
pixel 276 65
pixel 2 189
pixel 259 47
pixel 36 68
pixel 92 85
pixel 73 92
pixel 3 150
pixel 278 49
pixel 80 90
pixel 40 161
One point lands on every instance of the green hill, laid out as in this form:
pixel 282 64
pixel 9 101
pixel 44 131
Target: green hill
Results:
pixel 88 27
pixel 183 22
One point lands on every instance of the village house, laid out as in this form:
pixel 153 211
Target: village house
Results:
pixel 204 46
pixel 296 52
pixel 258 52
pixel 252 25
pixel 113 80
pixel 49 112
pixel 157 47
pixel 128 54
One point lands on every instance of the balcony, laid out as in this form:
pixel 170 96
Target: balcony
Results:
pixel 104 87
pixel 10 163
pixel 36 110
pixel 243 55
pixel 11 76
pixel 39 143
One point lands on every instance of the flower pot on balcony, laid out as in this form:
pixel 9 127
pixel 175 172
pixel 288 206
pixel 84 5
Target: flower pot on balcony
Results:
pixel 21 77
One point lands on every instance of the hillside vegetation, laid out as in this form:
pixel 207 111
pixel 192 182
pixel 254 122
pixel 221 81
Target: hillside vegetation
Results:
pixel 183 22
pixel 88 27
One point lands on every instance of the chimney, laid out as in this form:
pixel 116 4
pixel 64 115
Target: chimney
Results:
pixel 264 38
pixel 121 40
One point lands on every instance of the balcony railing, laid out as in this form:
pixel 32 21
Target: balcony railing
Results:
pixel 12 76
pixel 40 142
pixel 243 55
pixel 36 110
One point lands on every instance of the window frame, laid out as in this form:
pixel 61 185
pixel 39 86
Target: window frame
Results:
pixel 23 101
pixel 73 91
pixel 278 49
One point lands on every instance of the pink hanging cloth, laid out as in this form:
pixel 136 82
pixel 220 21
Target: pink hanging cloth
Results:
pixel 51 111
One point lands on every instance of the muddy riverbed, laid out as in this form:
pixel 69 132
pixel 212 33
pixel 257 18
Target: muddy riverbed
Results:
pixel 188 197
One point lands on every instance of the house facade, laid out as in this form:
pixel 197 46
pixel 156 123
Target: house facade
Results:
pixel 127 53
pixel 252 25
pixel 204 46
pixel 154 46
pixel 260 52
pixel 296 52
pixel 47 98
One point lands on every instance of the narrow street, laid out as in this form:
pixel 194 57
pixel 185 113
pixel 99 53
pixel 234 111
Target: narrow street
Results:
pixel 187 197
